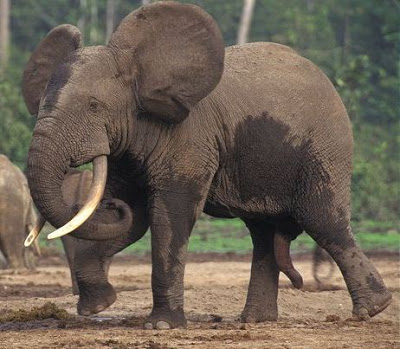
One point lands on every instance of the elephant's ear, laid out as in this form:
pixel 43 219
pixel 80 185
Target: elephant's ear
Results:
pixel 179 54
pixel 51 51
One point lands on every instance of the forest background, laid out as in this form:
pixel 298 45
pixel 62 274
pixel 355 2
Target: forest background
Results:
pixel 355 42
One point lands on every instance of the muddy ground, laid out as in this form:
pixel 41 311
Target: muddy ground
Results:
pixel 215 293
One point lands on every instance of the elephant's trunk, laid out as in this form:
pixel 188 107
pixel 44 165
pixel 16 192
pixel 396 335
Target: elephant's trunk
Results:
pixel 45 176
pixel 95 195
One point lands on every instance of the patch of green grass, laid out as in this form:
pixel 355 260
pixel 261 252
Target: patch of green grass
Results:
pixel 379 241
pixel 370 226
pixel 231 235
pixel 140 247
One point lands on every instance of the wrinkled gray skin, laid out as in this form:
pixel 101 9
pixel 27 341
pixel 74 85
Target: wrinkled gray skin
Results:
pixel 89 261
pixel 17 215
pixel 75 189
pixel 269 142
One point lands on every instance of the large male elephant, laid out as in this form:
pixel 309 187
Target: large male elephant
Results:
pixel 17 216
pixel 254 131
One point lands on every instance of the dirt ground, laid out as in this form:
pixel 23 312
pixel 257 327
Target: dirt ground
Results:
pixel 215 293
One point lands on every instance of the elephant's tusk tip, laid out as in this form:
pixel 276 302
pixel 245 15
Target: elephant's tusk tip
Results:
pixel 34 233
pixel 30 238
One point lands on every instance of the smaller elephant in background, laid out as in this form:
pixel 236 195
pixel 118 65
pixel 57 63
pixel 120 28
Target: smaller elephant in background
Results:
pixel 17 216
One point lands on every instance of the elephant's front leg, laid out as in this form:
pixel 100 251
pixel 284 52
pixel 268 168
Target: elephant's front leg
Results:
pixel 90 268
pixel 173 214
pixel 261 303
pixel 86 250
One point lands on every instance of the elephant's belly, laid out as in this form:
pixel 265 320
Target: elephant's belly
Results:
pixel 228 199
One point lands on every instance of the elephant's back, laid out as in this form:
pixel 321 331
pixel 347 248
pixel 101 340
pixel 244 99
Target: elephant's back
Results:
pixel 273 82
pixel 276 78
pixel 278 64
pixel 249 57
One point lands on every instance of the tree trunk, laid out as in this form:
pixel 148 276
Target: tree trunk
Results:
pixel 146 2
pixel 82 18
pixel 346 36
pixel 4 32
pixel 110 18
pixel 245 21
pixel 93 31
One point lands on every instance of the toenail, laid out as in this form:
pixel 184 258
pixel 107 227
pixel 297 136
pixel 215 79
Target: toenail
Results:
pixel 148 326
pixel 99 308
pixel 162 325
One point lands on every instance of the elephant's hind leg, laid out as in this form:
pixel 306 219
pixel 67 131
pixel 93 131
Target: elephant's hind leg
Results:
pixel 261 303
pixel 330 228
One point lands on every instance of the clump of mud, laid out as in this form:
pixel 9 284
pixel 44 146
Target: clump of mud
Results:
pixel 133 321
pixel 47 311
pixel 154 345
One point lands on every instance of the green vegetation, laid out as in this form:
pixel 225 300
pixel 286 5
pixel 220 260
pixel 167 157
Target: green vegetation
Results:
pixel 231 235
pixel 355 42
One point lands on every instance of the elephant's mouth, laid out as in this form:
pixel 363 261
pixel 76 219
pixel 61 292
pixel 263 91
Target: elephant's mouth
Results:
pixel 95 195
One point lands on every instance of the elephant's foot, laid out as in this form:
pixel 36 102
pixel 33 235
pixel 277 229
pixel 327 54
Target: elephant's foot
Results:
pixel 366 307
pixel 95 298
pixel 368 292
pixel 253 314
pixel 165 319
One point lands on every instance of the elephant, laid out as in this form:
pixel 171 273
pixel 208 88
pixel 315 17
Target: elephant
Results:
pixel 17 216
pixel 323 265
pixel 175 124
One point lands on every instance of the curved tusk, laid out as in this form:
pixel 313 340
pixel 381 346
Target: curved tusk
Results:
pixel 34 233
pixel 92 201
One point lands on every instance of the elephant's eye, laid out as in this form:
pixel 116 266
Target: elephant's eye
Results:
pixel 94 106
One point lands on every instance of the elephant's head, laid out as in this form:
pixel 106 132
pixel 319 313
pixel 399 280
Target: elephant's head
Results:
pixel 161 60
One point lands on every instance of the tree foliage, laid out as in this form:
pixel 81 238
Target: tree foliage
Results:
pixel 356 43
